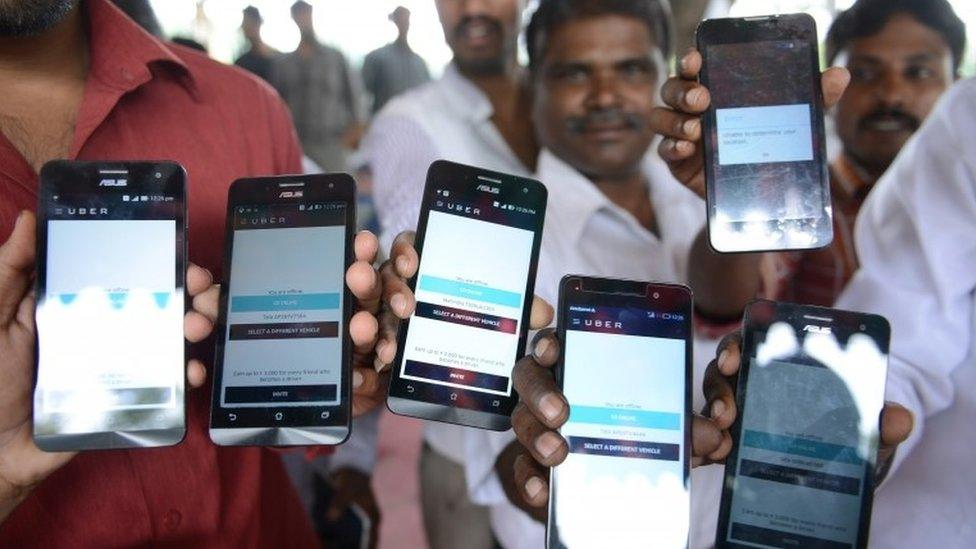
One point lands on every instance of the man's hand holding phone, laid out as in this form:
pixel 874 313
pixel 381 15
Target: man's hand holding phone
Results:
pixel 719 386
pixel 543 409
pixel 679 121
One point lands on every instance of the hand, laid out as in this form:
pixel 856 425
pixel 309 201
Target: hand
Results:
pixel 680 124
pixel 542 410
pixel 353 135
pixel 354 487
pixel 719 386
pixel 398 300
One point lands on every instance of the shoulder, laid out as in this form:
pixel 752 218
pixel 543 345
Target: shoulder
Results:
pixel 227 86
pixel 417 104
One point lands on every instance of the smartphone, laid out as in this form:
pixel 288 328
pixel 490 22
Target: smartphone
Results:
pixel 478 238
pixel 111 263
pixel 810 393
pixel 282 369
pixel 765 154
pixel 626 372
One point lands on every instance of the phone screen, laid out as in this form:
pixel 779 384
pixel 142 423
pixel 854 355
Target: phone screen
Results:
pixel 110 302
pixel 766 161
pixel 473 286
pixel 808 436
pixel 625 375
pixel 283 333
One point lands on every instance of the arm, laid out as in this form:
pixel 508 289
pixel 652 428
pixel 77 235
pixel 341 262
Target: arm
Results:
pixel 723 283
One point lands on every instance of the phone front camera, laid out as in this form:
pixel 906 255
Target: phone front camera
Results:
pixel 656 295
pixel 863 327
pixel 331 185
pixel 159 175
pixel 525 190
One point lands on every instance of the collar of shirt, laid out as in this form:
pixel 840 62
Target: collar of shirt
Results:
pixel 574 200
pixel 464 97
pixel 849 182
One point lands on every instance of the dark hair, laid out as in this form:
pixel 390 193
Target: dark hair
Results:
pixel 253 13
pixel 867 18
pixel 656 14
pixel 300 5
pixel 142 13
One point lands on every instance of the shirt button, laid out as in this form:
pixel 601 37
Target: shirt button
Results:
pixel 172 519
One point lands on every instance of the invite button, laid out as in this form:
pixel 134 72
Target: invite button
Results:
pixel 281 393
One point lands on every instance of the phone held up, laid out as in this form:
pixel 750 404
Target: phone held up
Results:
pixel 626 371
pixel 111 263
pixel 283 370
pixel 478 239
pixel 766 180
pixel 810 394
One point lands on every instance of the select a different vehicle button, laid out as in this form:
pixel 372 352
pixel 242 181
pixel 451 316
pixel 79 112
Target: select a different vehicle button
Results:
pixel 292 393
pixel 285 330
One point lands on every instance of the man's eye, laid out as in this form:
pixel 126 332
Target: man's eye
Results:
pixel 919 73
pixel 862 74
pixel 572 74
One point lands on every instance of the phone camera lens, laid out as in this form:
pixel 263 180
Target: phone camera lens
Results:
pixel 159 175
pixel 656 295
pixel 331 185
pixel 863 327
pixel 525 190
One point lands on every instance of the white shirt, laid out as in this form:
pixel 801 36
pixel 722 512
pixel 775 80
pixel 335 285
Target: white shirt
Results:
pixel 916 239
pixel 448 119
pixel 585 233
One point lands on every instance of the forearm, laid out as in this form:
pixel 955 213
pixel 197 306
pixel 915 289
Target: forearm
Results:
pixel 723 283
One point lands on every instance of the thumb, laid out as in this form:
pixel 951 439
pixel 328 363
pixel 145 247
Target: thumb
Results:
pixel 16 265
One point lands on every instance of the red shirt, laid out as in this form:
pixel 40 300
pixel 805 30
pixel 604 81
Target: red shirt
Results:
pixel 145 100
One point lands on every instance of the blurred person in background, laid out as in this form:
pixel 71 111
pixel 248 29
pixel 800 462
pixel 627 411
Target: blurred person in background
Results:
pixel 259 56
pixel 394 68
pixel 477 113
pixel 323 93
pixel 142 13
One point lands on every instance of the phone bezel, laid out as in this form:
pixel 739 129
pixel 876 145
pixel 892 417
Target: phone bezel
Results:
pixel 256 426
pixel 428 400
pixel 798 26
pixel 141 177
pixel 617 292
pixel 759 315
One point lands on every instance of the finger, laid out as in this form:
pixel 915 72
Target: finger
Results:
pixel 720 397
pixel 16 266
pixel 198 279
pixel 545 348
pixel 729 354
pixel 196 374
pixel 537 389
pixel 686 96
pixel 897 423
pixel 676 150
pixel 363 329
pixel 834 82
pixel 396 292
pixel 207 303
pixel 706 439
pixel 547 446
pixel 365 382
pixel 690 65
pixel 196 327
pixel 364 283
pixel 403 254
pixel 366 247
pixel 530 478
pixel 541 314
pixel 677 125
pixel 386 346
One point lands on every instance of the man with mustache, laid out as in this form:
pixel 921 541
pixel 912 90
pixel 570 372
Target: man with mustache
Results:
pixel 902 56
pixel 477 113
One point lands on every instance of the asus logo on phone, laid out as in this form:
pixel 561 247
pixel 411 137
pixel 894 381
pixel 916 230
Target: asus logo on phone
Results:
pixel 113 183
pixel 817 329
pixel 489 189
pixel 291 194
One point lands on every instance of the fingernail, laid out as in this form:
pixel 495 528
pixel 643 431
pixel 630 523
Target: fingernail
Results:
pixel 357 379
pixel 551 406
pixel 19 217
pixel 541 347
pixel 718 408
pixel 399 303
pixel 684 63
pixel 690 126
pixel 693 96
pixel 402 264
pixel 722 357
pixel 547 444
pixel 533 487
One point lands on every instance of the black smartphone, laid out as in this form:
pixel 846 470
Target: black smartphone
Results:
pixel 478 238
pixel 810 393
pixel 111 264
pixel 625 369
pixel 283 371
pixel 766 178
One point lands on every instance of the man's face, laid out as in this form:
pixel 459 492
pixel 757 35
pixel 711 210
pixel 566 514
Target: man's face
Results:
pixel 251 26
pixel 897 76
pixel 401 18
pixel 594 92
pixel 31 17
pixel 482 34
pixel 303 19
